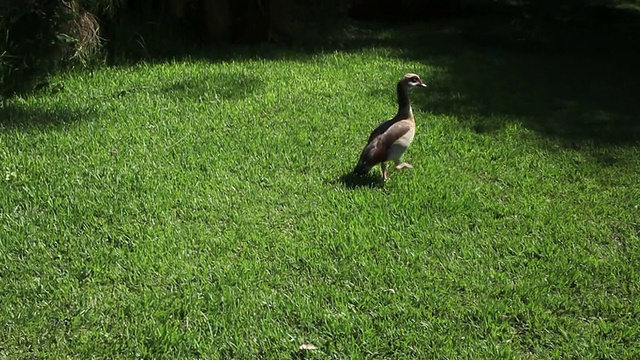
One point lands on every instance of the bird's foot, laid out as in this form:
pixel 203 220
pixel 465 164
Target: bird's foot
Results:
pixel 404 165
pixel 385 176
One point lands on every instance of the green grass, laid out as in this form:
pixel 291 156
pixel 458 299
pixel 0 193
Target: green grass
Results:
pixel 202 208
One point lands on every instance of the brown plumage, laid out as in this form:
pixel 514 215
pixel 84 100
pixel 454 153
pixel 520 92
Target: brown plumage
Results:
pixel 391 138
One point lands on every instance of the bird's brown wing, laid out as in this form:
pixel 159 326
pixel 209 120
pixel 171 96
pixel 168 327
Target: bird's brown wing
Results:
pixel 380 130
pixel 376 150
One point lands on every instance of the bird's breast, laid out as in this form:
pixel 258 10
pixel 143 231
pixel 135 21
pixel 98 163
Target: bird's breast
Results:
pixel 398 147
pixel 406 139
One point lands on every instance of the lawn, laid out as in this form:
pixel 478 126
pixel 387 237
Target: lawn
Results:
pixel 202 207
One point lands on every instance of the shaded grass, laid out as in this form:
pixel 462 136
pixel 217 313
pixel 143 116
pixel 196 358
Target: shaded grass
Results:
pixel 573 80
pixel 201 208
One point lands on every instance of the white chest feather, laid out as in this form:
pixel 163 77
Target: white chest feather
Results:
pixel 400 146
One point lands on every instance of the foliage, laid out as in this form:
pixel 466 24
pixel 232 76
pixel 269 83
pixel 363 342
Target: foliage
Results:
pixel 37 36
pixel 30 37
pixel 107 8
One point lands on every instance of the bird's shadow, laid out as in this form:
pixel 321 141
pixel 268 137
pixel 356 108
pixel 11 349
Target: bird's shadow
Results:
pixel 353 181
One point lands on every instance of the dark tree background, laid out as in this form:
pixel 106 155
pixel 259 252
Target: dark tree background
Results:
pixel 38 37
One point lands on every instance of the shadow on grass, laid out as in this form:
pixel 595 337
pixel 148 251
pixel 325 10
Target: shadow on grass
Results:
pixel 228 86
pixel 15 116
pixel 575 81
pixel 573 77
pixel 220 86
pixel 353 181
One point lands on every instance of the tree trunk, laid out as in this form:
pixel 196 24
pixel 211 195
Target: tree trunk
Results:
pixel 178 8
pixel 250 20
pixel 216 19
pixel 283 22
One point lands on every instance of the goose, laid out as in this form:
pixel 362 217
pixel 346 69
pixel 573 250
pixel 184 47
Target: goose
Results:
pixel 392 138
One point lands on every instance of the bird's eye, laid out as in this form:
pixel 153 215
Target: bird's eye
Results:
pixel 415 79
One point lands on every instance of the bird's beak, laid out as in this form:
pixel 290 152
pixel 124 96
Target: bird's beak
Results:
pixel 423 85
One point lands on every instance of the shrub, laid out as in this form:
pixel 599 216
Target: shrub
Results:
pixel 38 37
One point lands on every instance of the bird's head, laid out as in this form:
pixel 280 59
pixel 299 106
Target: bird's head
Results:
pixel 412 80
pixel 362 167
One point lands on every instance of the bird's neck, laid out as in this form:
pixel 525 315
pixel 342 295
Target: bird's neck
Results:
pixel 404 107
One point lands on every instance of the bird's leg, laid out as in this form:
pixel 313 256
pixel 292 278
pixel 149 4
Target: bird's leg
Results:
pixel 383 166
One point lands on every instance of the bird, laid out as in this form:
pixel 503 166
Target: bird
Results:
pixel 390 139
